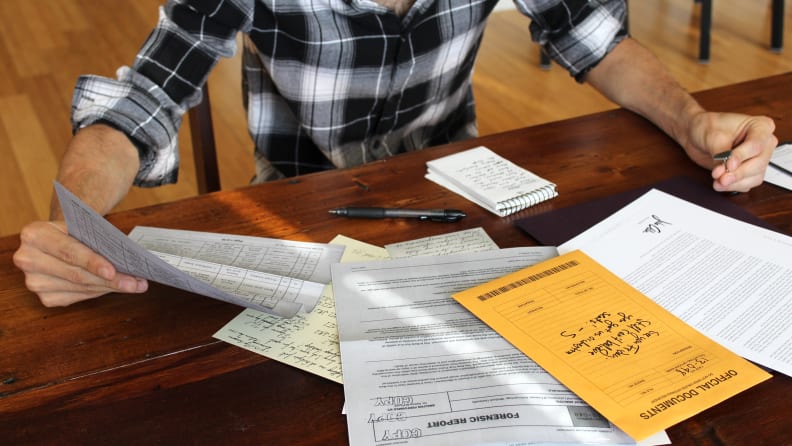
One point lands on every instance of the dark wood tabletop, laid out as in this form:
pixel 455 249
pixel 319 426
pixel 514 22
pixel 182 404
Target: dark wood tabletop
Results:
pixel 145 369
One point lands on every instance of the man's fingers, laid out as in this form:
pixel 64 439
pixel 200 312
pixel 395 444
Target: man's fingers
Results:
pixel 64 299
pixel 745 177
pixel 45 250
pixel 71 251
pixel 61 270
pixel 55 292
pixel 44 269
pixel 745 168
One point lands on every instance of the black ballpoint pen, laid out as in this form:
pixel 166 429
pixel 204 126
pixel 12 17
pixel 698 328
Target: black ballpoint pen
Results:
pixel 781 169
pixel 444 215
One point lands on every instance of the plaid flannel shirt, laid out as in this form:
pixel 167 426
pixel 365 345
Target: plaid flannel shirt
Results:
pixel 328 83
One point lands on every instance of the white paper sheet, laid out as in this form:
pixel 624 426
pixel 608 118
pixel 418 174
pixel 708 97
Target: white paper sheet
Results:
pixel 782 156
pixel 421 370
pixel 275 294
pixel 730 280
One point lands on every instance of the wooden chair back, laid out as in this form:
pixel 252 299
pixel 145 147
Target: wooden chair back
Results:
pixel 204 153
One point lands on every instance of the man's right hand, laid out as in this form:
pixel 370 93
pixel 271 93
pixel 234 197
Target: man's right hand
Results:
pixel 62 271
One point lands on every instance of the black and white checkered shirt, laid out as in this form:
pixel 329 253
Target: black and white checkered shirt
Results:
pixel 329 83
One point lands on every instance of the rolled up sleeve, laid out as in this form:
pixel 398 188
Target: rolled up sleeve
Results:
pixel 577 34
pixel 148 100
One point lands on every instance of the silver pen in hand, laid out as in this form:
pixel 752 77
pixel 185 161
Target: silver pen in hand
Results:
pixel 443 215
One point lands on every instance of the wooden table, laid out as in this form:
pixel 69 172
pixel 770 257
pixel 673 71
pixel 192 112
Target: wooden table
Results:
pixel 145 369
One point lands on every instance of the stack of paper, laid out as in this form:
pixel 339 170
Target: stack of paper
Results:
pixel 489 180
pixel 419 370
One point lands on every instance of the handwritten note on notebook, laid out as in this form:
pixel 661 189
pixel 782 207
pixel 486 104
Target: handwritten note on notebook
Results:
pixel 489 180
pixel 630 359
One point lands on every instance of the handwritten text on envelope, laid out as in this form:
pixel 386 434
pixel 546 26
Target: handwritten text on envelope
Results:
pixel 633 361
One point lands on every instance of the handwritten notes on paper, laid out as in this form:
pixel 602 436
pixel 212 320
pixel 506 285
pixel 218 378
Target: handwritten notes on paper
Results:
pixel 306 341
pixel 489 180
pixel 626 356
pixel 469 240
pixel 608 335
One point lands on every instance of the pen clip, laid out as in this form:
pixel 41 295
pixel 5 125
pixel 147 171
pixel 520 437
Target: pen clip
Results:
pixel 449 216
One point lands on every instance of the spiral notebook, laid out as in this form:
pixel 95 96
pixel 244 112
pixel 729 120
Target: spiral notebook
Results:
pixel 489 180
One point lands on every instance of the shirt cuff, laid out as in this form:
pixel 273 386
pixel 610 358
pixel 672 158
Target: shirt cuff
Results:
pixel 139 109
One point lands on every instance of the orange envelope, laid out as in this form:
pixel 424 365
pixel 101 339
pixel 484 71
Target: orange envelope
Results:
pixel 637 364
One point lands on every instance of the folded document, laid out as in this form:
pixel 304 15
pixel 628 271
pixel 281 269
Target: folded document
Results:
pixel 230 268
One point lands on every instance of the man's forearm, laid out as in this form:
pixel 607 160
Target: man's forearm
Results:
pixel 99 166
pixel 634 78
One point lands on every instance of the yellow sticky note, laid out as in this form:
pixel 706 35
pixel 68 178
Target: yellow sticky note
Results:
pixel 637 364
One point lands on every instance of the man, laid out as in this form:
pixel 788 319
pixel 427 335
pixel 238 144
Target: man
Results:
pixel 339 83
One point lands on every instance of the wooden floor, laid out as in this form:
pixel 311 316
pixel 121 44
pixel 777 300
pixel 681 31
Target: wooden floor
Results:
pixel 44 49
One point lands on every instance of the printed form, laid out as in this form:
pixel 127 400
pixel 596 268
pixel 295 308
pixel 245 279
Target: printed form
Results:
pixel 633 361
pixel 421 370
pixel 270 292
pixel 729 279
